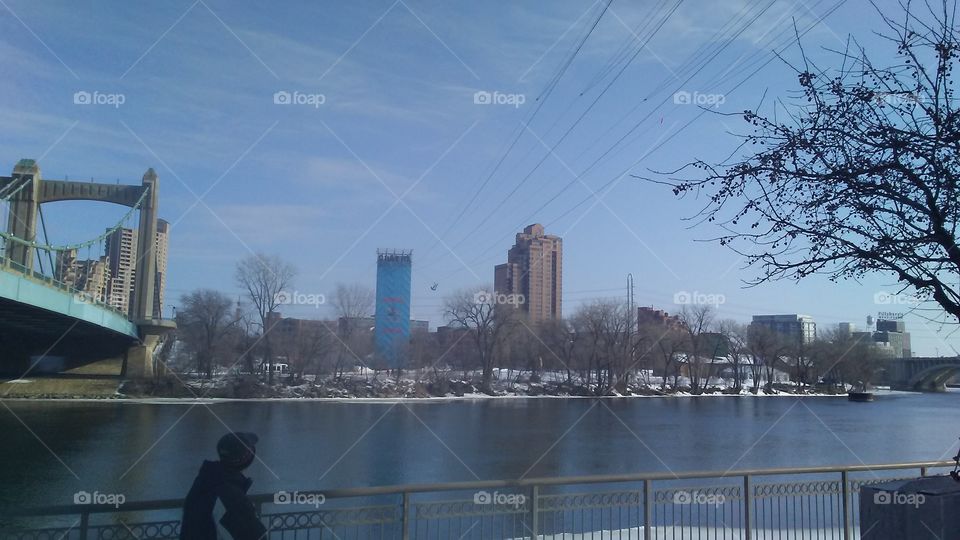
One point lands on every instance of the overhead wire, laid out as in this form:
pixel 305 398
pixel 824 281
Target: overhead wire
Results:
pixel 718 49
pixel 772 56
pixel 541 99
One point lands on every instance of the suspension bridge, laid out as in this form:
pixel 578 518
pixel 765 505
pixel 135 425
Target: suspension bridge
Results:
pixel 42 315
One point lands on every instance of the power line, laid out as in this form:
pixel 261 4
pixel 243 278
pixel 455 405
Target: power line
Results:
pixel 577 178
pixel 630 167
pixel 570 129
pixel 521 127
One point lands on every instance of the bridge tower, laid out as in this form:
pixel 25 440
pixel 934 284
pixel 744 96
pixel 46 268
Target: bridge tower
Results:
pixel 145 280
pixel 24 206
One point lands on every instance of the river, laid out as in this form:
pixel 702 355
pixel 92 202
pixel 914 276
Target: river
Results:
pixel 52 449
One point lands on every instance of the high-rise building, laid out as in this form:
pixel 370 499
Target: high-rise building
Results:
pixel 649 316
pixel 798 328
pixel 391 332
pixel 846 329
pixel 121 248
pixel 534 269
pixel 893 334
pixel 89 277
pixel 163 241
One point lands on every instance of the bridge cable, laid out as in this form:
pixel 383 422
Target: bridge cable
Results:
pixel 33 244
pixel 43 227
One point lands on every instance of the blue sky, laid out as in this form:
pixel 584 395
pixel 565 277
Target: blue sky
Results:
pixel 387 144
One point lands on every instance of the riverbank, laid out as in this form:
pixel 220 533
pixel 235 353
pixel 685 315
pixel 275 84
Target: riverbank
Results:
pixel 353 388
pixel 174 389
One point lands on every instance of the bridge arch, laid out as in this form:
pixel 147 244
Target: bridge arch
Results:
pixel 934 378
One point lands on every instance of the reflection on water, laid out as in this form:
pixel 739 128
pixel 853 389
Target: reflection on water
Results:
pixel 147 451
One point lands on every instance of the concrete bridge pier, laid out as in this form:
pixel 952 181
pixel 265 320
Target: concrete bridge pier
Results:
pixel 932 385
pixel 140 362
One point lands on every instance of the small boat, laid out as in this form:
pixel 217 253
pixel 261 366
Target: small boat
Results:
pixel 861 397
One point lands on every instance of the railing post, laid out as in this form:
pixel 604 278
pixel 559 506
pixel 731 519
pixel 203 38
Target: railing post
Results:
pixel 647 510
pixel 84 524
pixel 405 517
pixel 747 507
pixel 534 512
pixel 845 493
pixel 923 471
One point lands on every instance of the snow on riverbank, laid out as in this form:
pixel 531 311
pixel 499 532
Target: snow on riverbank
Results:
pixel 365 386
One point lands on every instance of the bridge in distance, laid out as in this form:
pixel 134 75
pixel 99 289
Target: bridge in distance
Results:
pixel 42 318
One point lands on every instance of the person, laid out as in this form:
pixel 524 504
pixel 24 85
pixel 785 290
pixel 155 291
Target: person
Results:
pixel 223 480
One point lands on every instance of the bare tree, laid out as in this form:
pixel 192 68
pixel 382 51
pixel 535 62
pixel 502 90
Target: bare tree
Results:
pixel 308 346
pixel 736 336
pixel 862 176
pixel 561 343
pixel 803 362
pixel 603 325
pixel 697 322
pixel 352 303
pixel 766 346
pixel 203 320
pixel 487 322
pixel 265 278
pixel 846 358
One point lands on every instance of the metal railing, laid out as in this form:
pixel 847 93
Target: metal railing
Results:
pixel 809 502
pixel 40 277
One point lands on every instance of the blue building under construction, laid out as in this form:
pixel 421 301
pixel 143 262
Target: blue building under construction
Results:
pixel 392 322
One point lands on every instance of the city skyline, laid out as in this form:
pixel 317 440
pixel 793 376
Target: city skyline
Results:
pixel 455 118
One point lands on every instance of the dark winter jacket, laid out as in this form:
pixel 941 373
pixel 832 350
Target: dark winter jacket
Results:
pixel 230 486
